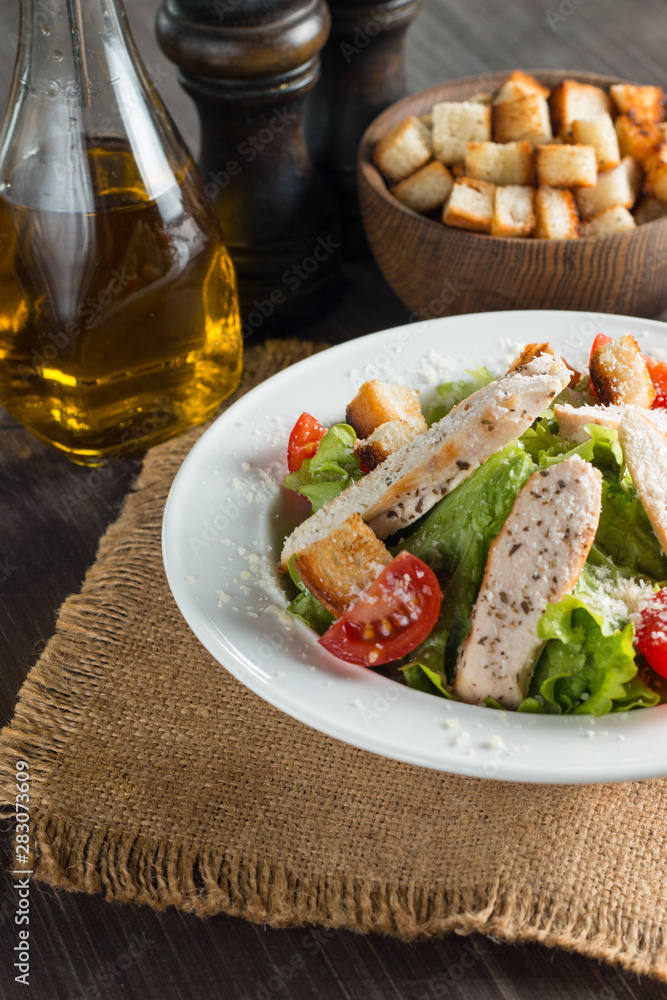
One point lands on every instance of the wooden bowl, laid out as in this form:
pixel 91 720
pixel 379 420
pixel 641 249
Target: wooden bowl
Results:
pixel 439 271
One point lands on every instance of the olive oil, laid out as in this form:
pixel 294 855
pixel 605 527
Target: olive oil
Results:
pixel 119 324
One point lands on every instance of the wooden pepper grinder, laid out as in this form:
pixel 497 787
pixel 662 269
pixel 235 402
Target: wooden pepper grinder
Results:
pixel 248 64
pixel 362 74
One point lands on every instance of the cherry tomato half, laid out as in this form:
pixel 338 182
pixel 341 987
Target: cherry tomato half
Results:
pixel 658 372
pixel 391 617
pixel 303 441
pixel 651 637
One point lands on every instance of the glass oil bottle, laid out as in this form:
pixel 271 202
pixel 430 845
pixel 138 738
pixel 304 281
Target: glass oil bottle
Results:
pixel 119 320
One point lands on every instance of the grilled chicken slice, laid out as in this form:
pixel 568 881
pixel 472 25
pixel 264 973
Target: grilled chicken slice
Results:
pixel 534 561
pixel 572 420
pixel 416 476
pixel 645 452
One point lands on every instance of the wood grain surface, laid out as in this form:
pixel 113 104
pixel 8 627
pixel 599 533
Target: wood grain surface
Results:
pixel 51 517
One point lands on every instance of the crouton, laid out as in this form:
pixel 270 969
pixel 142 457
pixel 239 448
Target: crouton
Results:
pixel 458 169
pixel 519 84
pixel 403 150
pixel 566 166
pixel 556 216
pixel 470 205
pixel 513 211
pixel 600 134
pixel 378 402
pixel 613 220
pixel 644 104
pixel 620 375
pixel 523 117
pixel 338 567
pixel 384 441
pixel 618 186
pixel 455 124
pixel 662 126
pixel 655 184
pixel 637 139
pixel 648 210
pixel 426 189
pixel 532 351
pixel 571 100
pixel 500 163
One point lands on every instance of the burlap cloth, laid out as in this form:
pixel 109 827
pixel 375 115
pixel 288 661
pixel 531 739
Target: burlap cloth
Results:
pixel 158 778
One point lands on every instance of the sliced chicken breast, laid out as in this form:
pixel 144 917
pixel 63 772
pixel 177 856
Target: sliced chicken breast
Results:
pixel 645 452
pixel 572 420
pixel 416 476
pixel 534 561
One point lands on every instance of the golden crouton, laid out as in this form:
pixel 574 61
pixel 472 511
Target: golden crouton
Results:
pixel 378 402
pixel 618 186
pixel 644 104
pixel 455 124
pixel 648 210
pixel 513 211
pixel 384 441
pixel 470 205
pixel 556 216
pixel 500 163
pixel 337 568
pixel 519 84
pixel 403 150
pixel 532 351
pixel 637 139
pixel 523 117
pixel 613 220
pixel 620 375
pixel 566 166
pixel 426 189
pixel 600 134
pixel 571 100
pixel 655 183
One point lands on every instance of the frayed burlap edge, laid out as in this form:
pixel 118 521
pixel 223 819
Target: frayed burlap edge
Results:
pixel 126 866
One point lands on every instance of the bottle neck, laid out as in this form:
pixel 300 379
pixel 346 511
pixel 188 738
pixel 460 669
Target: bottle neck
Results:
pixel 65 46
pixel 79 83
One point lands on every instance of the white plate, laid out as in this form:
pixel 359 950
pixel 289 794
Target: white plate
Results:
pixel 224 513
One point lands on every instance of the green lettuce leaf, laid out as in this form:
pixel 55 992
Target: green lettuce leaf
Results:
pixel 547 447
pixel 454 393
pixel 454 541
pixel 625 532
pixel 306 607
pixel 333 467
pixel 588 665
pixel 423 678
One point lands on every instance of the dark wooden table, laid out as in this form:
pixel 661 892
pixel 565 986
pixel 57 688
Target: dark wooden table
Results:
pixel 82 946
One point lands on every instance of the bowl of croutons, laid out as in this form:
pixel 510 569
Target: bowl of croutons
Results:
pixel 528 190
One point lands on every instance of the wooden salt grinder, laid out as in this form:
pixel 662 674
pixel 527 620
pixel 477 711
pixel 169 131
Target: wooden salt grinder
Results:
pixel 248 65
pixel 362 74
